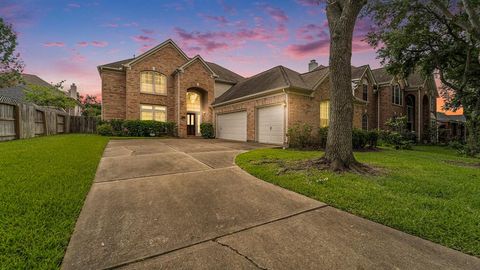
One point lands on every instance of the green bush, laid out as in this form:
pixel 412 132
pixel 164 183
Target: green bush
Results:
pixel 300 136
pixel 207 130
pixel 322 137
pixel 359 138
pixel 147 128
pixel 372 138
pixel 105 130
pixel 117 125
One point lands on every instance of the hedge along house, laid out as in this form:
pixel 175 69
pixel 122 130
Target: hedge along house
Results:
pixel 164 84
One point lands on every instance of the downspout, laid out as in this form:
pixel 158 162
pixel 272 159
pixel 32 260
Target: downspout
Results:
pixel 285 138
pixel 378 108
pixel 178 103
pixel 419 114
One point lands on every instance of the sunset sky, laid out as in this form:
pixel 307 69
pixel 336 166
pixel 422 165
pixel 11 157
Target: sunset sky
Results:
pixel 67 40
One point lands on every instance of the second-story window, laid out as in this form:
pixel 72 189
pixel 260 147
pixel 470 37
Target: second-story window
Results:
pixel 397 95
pixel 152 82
pixel 365 92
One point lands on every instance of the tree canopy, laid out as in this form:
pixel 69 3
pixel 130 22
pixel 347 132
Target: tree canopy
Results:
pixel 11 66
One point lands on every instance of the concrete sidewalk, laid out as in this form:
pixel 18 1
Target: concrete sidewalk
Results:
pixel 183 204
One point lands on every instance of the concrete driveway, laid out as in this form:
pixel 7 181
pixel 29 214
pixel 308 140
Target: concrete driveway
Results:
pixel 183 204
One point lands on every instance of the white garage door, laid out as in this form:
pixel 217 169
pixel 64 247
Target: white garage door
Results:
pixel 271 124
pixel 232 126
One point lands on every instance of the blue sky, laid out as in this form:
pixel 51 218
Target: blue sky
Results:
pixel 66 40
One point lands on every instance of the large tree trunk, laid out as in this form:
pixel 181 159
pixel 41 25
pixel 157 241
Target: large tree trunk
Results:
pixel 341 21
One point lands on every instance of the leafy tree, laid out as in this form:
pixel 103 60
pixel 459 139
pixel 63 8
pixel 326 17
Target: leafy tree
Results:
pixel 49 96
pixel 341 15
pixel 11 66
pixel 441 36
pixel 92 107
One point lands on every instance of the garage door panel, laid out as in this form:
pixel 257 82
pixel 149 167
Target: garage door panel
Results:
pixel 232 126
pixel 270 124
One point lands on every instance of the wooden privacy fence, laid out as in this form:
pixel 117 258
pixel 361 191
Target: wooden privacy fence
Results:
pixel 21 121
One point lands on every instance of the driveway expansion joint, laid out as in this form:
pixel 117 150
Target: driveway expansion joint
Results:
pixel 215 239
pixel 240 254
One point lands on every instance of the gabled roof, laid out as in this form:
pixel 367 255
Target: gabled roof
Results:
pixel 314 77
pixel 357 72
pixel 415 79
pixel 17 93
pixel 382 76
pixel 276 78
pixel 155 49
pixel 197 58
pixel 224 74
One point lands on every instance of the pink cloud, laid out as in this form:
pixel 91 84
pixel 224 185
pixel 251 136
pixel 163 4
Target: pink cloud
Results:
pixel 311 32
pixel 218 19
pixel 142 38
pixel 277 14
pixel 73 5
pixel 319 47
pixel 148 31
pixel 145 47
pixel 16 14
pixel 82 43
pixel 111 25
pixel 100 44
pixel 54 44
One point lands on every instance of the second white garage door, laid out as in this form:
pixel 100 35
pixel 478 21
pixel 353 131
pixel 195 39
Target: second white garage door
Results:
pixel 270 124
pixel 232 126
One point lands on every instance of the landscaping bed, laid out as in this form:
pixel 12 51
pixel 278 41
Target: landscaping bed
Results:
pixel 429 191
pixel 44 182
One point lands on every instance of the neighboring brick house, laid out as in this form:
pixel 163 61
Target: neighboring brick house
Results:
pixel 166 85
pixel 451 127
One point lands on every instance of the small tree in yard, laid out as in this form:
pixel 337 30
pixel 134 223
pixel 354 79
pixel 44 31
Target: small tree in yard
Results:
pixel 341 16
pixel 92 107
pixel 11 66
pixel 49 96
pixel 441 36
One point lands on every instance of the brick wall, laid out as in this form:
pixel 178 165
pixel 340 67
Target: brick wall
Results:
pixel 165 61
pixel 113 94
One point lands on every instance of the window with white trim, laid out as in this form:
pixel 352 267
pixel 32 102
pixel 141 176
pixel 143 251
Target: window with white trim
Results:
pixel 324 113
pixel 152 82
pixel 365 92
pixel 153 112
pixel 397 95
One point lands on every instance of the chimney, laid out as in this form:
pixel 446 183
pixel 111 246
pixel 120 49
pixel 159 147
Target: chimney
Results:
pixel 312 65
pixel 72 92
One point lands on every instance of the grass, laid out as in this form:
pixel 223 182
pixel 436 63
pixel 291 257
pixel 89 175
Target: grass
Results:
pixel 429 191
pixel 43 184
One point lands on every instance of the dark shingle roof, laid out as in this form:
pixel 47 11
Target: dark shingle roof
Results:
pixel 274 78
pixel 415 79
pixel 311 78
pixel 381 75
pixel 17 93
pixel 224 74
pixel 442 117
pixel 357 72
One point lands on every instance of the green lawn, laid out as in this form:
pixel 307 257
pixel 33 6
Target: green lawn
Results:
pixel 429 191
pixel 43 183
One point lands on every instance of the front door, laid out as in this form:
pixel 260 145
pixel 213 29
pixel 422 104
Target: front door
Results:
pixel 191 123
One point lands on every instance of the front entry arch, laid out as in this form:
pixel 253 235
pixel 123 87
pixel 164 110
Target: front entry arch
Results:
pixel 194 107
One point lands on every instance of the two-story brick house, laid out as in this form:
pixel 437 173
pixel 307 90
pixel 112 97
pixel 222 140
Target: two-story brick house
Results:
pixel 165 84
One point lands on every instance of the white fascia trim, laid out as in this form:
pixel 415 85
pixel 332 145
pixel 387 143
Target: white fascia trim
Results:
pixel 263 93
pixel 155 49
pixel 197 57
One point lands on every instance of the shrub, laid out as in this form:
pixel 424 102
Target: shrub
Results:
pixel 117 125
pixel 105 130
pixel 322 137
pixel 372 138
pixel 147 128
pixel 300 136
pixel 359 138
pixel 207 130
